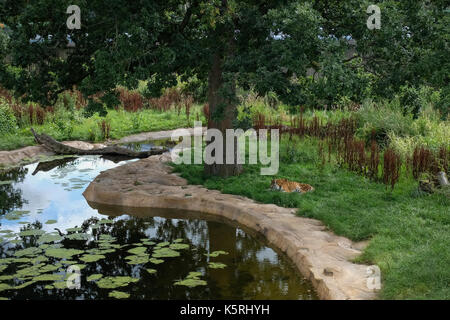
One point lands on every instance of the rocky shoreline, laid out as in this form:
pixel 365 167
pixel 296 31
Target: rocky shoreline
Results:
pixel 322 257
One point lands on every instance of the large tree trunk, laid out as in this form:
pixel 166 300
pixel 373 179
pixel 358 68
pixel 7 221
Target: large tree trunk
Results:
pixel 63 149
pixel 217 101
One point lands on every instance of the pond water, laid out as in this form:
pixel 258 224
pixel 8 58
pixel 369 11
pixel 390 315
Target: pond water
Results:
pixel 49 235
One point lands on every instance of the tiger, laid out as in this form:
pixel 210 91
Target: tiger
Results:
pixel 285 185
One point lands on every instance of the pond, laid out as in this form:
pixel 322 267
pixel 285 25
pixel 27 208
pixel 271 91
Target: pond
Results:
pixel 51 238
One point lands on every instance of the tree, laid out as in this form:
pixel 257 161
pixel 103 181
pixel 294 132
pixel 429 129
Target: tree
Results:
pixel 229 43
pixel 266 45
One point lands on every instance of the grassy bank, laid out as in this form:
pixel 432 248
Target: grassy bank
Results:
pixel 73 126
pixel 409 231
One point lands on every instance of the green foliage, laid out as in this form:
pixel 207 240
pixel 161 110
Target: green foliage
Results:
pixel 7 118
pixel 379 119
pixel 408 234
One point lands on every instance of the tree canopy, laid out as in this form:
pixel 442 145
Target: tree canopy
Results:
pixel 264 45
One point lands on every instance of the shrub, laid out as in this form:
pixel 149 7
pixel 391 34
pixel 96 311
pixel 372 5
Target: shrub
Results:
pixel 377 121
pixel 7 118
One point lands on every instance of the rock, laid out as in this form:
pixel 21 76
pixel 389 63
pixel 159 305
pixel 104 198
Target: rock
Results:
pixel 314 250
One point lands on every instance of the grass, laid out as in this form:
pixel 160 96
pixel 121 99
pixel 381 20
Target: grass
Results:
pixel 75 127
pixel 409 232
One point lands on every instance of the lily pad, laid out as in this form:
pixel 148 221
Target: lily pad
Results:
pixel 179 246
pixel 216 265
pixel 48 238
pixel 138 250
pixel 163 244
pixel 92 258
pixel 30 252
pixel 156 261
pixel 51 222
pixel 215 254
pixel 34 232
pixel 165 253
pixel 118 295
pixel 48 277
pixel 191 282
pixel 78 236
pixel 140 259
pixel 94 277
pixel 62 253
pixel 151 271
pixel 115 282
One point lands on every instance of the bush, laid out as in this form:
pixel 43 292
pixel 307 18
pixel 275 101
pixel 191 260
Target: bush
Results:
pixel 378 121
pixel 7 119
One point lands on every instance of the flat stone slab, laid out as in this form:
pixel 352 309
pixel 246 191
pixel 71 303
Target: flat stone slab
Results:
pixel 321 256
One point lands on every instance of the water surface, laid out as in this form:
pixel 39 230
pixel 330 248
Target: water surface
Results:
pixel 43 211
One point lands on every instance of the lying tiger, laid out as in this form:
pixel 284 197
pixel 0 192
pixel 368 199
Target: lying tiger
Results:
pixel 285 185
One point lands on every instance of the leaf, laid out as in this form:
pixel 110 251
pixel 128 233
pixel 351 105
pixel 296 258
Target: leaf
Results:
pixel 62 253
pixel 165 253
pixel 151 271
pixel 216 265
pixel 94 277
pixel 118 295
pixel 88 258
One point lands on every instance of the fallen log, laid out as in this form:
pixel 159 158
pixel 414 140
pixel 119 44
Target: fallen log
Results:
pixel 62 149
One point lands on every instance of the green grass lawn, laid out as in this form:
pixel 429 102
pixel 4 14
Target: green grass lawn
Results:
pixel 409 232
pixel 75 127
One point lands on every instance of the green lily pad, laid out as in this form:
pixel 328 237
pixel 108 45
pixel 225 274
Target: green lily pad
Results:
pixel 78 236
pixel 62 253
pixel 191 283
pixel 163 244
pixel 216 265
pixel 49 287
pixel 94 277
pixel 118 295
pixel 138 250
pixel 156 261
pixel 115 282
pixel 30 252
pixel 192 280
pixel 51 222
pixel 24 285
pixel 48 277
pixel 34 232
pixel 2 183
pixel 179 246
pixel 165 253
pixel 60 285
pixel 48 238
pixel 215 254
pixel 3 299
pixel 6 231
pixel 9 277
pixel 74 229
pixel 151 271
pixel 92 258
pixel 49 268
pixel 140 259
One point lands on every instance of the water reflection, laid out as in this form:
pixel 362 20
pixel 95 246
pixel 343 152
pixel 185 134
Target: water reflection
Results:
pixel 254 270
